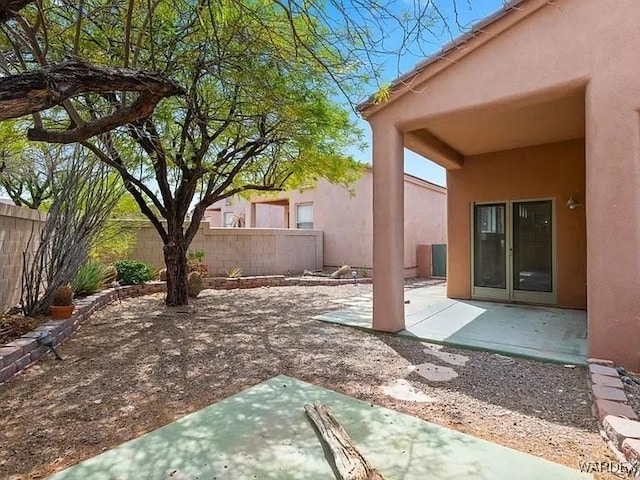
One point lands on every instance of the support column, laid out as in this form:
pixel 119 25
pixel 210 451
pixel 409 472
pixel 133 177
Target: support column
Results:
pixel 388 228
pixel 251 215
pixel 613 221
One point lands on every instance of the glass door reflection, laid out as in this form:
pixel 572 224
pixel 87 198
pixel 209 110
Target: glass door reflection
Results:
pixel 490 243
pixel 532 246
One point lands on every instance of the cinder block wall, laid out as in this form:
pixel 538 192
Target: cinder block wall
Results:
pixel 17 225
pixel 257 251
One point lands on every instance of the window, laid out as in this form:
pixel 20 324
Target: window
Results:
pixel 491 219
pixel 229 219
pixel 304 216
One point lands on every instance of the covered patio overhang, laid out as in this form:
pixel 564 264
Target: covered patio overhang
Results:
pixel 535 118
pixel 569 107
pixel 466 142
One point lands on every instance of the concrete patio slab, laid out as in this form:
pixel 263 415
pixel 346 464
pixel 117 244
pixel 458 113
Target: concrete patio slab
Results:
pixel 263 433
pixel 542 333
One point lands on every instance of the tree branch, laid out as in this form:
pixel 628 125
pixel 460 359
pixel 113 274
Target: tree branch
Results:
pixel 34 91
pixel 9 8
pixel 142 108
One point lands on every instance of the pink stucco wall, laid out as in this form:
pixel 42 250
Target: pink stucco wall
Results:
pixel 553 170
pixel 346 219
pixel 507 88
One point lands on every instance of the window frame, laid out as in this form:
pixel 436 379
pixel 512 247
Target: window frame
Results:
pixel 309 225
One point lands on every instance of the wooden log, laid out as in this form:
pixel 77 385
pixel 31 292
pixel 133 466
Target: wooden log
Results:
pixel 341 272
pixel 350 463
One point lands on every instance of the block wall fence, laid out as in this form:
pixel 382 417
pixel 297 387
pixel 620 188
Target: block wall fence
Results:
pixel 257 251
pixel 17 226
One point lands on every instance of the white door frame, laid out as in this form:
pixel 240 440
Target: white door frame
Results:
pixel 509 294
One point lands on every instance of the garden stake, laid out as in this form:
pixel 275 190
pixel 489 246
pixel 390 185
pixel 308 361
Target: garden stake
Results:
pixel 47 340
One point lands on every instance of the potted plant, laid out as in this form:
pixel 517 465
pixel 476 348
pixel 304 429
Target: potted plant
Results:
pixel 62 306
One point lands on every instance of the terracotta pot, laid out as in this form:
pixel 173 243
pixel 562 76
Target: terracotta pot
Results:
pixel 60 312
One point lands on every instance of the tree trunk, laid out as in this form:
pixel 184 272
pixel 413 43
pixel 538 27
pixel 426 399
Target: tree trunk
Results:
pixel 175 258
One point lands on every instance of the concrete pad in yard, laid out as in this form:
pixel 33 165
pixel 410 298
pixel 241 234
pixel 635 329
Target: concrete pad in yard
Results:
pixel 263 433
pixel 542 333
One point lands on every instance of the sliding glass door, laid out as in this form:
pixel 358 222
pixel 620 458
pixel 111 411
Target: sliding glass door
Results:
pixel 513 251
pixel 490 251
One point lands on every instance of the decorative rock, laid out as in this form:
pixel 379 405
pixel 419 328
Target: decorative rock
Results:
pixel 606 381
pixel 602 370
pixel 616 409
pixel 619 429
pixel 608 393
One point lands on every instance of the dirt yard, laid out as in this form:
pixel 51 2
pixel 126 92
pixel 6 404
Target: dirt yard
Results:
pixel 137 366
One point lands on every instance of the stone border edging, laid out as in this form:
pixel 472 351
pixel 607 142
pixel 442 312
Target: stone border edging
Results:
pixel 225 283
pixel 617 421
pixel 23 352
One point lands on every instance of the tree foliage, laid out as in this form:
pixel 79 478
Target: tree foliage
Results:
pixel 257 84
pixel 258 112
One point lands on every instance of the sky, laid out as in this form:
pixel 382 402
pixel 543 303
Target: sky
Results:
pixel 469 12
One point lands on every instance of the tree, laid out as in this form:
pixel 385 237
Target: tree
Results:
pixel 257 111
pixel 31 84
pixel 236 129
pixel 269 127
pixel 30 172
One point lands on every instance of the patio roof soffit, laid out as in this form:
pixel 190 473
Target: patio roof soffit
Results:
pixel 424 143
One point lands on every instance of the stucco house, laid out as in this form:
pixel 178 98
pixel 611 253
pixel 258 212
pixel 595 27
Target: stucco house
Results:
pixel 534 114
pixel 345 218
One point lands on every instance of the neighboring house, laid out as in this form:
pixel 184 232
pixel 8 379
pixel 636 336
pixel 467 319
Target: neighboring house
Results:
pixel 344 219
pixel 535 117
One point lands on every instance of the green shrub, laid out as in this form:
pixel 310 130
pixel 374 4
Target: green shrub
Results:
pixel 235 272
pixel 132 272
pixel 92 277
pixel 196 256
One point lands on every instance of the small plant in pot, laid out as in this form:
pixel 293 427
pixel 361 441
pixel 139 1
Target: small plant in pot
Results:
pixel 62 306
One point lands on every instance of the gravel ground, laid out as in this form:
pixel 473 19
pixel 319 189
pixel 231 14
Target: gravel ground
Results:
pixel 633 394
pixel 138 365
